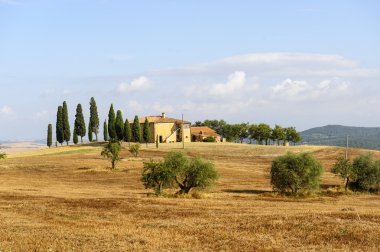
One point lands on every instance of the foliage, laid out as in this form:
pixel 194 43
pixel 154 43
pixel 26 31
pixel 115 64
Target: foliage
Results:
pixel 134 149
pixel 49 141
pixel 177 169
pixel 136 131
pixel 59 126
pixel 156 176
pixel 119 125
pixel 366 172
pixel 292 136
pixel 112 152
pixel 209 139
pixel 111 124
pixel 146 132
pixel 89 132
pixel 344 168
pixel 127 131
pixel 105 131
pixel 94 118
pixel 66 124
pixel 278 134
pixel 75 136
pixel 217 125
pixel 295 172
pixel 3 155
pixel 80 125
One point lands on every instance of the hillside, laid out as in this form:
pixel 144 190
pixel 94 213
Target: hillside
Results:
pixel 335 135
pixel 67 199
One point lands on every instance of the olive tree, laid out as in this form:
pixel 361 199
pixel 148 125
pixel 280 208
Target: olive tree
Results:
pixel 344 168
pixel 295 172
pixel 366 172
pixel 134 149
pixel 156 176
pixel 112 152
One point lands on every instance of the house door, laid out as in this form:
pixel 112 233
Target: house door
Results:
pixel 161 140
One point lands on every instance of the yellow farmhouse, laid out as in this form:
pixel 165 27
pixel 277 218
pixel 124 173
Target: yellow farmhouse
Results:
pixel 167 130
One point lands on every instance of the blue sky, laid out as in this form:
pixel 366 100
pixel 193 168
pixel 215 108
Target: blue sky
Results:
pixel 298 63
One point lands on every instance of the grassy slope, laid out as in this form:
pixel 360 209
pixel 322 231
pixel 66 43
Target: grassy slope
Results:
pixel 66 199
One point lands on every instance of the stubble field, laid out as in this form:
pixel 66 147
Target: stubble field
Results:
pixel 67 199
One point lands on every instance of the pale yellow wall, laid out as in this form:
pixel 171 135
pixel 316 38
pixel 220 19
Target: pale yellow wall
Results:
pixel 165 130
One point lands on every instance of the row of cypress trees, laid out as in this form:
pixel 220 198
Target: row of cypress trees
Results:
pixel 116 130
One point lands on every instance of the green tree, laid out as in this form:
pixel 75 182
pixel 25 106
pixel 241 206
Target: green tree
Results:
pixel 278 134
pixel 105 131
pixel 59 126
pixel 146 132
pixel 136 131
pixel 50 135
pixel 292 136
pixel 156 176
pixel 344 168
pixel 75 136
pixel 366 171
pixel 134 149
pixel 80 125
pixel 111 124
pixel 119 125
pixel 66 124
pixel 89 132
pixel 112 152
pixel 295 172
pixel 263 133
pixel 94 118
pixel 252 129
pixel 127 131
pixel 243 131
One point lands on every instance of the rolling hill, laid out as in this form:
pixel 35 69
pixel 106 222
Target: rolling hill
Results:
pixel 335 135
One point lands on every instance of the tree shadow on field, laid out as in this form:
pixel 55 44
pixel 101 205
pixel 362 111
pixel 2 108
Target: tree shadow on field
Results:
pixel 247 191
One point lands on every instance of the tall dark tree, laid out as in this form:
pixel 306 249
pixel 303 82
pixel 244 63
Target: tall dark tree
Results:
pixel 111 124
pixel 119 125
pixel 127 131
pixel 136 131
pixel 66 124
pixel 146 132
pixel 89 132
pixel 50 135
pixel 94 118
pixel 105 131
pixel 80 125
pixel 75 136
pixel 59 126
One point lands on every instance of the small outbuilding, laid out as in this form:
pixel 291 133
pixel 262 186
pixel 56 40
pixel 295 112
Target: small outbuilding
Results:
pixel 202 132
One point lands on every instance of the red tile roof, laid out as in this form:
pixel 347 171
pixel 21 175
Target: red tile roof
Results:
pixel 160 119
pixel 203 131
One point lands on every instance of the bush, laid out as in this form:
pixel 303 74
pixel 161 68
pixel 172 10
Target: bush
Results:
pixel 3 155
pixel 178 170
pixel 111 151
pixel 295 172
pixel 366 172
pixel 135 149
pixel 209 139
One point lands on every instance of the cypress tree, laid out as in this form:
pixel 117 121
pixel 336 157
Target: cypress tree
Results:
pixel 119 126
pixel 80 125
pixel 127 131
pixel 50 135
pixel 59 126
pixel 146 132
pixel 136 131
pixel 89 132
pixel 75 136
pixel 105 131
pixel 66 125
pixel 94 118
pixel 111 124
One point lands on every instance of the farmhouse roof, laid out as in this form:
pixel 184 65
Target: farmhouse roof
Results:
pixel 162 119
pixel 203 131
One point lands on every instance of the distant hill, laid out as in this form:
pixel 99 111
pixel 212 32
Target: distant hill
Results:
pixel 335 135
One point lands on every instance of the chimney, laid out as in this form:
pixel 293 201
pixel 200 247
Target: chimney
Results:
pixel 163 115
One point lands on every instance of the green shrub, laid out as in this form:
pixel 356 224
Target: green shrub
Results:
pixel 366 172
pixel 295 172
pixel 135 149
pixel 3 155
pixel 209 139
pixel 156 176
pixel 111 151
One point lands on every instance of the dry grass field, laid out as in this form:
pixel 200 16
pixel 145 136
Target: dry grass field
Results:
pixel 67 199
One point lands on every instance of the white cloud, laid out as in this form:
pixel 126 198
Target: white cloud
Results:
pixel 10 2
pixel 158 107
pixel 293 90
pixel 6 111
pixel 41 114
pixel 142 83
pixel 235 82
